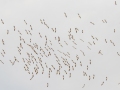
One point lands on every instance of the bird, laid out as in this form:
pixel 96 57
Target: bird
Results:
pixel 114 30
pixel 47 84
pixel 65 14
pixel 100 52
pixel 102 83
pixel 1 61
pixel 106 78
pixel 25 22
pixel 115 3
pixel 83 86
pixel 79 15
pixel 7 31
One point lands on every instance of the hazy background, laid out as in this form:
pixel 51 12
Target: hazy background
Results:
pixel 14 12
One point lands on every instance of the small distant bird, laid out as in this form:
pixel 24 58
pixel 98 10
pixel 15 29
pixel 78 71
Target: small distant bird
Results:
pixel 14 28
pixel 89 77
pixel 96 39
pixel 92 37
pixel 102 83
pixel 3 42
pixel 92 23
pixel 105 40
pixel 7 31
pixel 83 86
pixel 25 22
pixel 70 75
pixel 82 31
pixel 2 21
pixel 93 42
pixel 115 3
pixel 89 43
pixel 87 67
pixel 118 53
pixel 1 61
pixel 47 84
pixel 93 76
pixel 65 14
pixel 90 61
pixel 63 77
pixel 105 20
pixel 79 15
pixel 100 52
pixel 106 78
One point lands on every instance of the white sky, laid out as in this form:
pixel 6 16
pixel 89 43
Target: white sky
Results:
pixel 14 12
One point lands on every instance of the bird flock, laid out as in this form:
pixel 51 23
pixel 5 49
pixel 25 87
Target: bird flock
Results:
pixel 53 53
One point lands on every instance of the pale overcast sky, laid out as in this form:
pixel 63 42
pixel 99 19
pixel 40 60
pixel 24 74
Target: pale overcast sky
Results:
pixel 98 23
